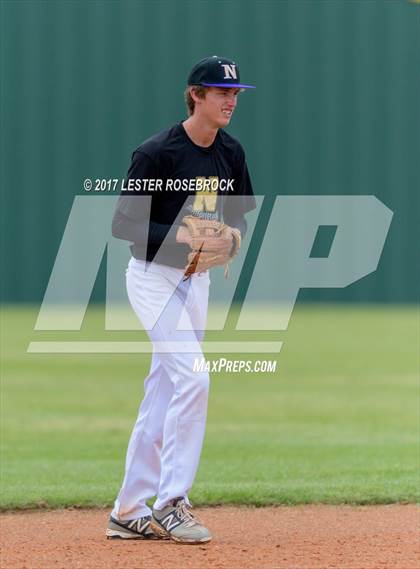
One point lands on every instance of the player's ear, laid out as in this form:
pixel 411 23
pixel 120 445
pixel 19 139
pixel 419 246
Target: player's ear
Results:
pixel 193 94
pixel 198 93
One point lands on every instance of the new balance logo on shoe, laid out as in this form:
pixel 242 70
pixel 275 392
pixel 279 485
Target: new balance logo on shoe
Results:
pixel 170 522
pixel 137 525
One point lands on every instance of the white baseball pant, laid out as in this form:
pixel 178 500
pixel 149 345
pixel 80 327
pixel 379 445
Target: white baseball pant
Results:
pixel 165 446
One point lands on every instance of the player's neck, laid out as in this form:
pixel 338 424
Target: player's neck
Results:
pixel 200 131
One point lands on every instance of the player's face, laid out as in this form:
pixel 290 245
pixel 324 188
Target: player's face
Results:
pixel 219 104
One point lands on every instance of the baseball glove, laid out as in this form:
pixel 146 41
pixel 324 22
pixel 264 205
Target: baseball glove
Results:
pixel 213 243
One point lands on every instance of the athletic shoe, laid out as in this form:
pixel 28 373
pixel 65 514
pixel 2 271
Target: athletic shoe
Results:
pixel 178 522
pixel 130 529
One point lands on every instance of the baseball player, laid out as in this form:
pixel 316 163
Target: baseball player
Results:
pixel 197 188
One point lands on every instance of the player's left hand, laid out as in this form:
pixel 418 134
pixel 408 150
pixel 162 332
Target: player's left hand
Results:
pixel 212 243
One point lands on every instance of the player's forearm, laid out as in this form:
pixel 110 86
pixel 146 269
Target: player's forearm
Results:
pixel 142 231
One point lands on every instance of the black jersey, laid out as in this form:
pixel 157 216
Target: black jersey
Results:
pixel 181 177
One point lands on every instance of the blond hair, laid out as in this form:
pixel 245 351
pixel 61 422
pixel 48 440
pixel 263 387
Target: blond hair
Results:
pixel 199 90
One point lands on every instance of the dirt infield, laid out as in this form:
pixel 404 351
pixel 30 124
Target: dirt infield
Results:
pixel 303 537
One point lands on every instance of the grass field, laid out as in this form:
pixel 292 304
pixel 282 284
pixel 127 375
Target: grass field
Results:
pixel 338 421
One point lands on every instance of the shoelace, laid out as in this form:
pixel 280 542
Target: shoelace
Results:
pixel 186 515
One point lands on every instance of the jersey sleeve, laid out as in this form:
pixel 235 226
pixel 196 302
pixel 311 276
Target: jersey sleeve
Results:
pixel 131 220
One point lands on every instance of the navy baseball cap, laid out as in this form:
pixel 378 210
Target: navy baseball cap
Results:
pixel 216 71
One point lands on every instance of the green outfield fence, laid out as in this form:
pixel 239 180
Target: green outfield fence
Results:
pixel 335 111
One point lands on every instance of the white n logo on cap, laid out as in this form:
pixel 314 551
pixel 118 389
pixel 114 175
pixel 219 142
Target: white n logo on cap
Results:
pixel 230 71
